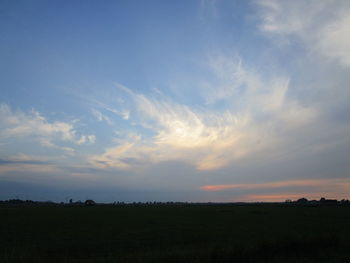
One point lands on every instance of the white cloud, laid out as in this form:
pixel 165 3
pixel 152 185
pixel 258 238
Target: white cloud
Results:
pixel 123 113
pixel 20 124
pixel 86 139
pixel 322 26
pixel 46 142
pixel 334 39
pixel 211 139
pixel 101 117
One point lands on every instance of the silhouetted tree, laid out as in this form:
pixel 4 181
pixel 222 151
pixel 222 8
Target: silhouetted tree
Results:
pixel 90 202
pixel 302 200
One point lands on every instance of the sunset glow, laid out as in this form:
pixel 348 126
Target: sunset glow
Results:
pixel 335 183
pixel 175 100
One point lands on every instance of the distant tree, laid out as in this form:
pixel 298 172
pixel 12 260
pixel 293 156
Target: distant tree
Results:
pixel 345 201
pixel 302 200
pixel 328 201
pixel 90 202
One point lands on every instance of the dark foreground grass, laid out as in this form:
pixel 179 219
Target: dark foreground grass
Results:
pixel 159 233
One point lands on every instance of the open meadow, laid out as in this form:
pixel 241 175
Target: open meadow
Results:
pixel 175 233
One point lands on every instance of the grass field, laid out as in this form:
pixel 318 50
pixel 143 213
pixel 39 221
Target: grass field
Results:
pixel 175 233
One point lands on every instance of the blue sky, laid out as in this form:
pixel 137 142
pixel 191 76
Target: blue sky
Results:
pixel 174 100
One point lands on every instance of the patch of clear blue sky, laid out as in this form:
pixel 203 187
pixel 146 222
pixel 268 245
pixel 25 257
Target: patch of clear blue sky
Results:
pixel 50 48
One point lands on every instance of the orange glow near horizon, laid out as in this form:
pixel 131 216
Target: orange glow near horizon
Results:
pixel 292 196
pixel 328 188
pixel 336 183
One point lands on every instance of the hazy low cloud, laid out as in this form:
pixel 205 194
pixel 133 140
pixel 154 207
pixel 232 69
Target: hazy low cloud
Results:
pixel 33 125
pixel 24 159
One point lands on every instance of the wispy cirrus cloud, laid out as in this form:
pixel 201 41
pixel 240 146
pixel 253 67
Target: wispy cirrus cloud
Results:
pixel 324 29
pixel 100 109
pixel 100 116
pixel 210 139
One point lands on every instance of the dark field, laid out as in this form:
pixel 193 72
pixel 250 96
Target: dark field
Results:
pixel 175 233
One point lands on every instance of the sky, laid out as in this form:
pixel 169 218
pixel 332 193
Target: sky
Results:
pixel 198 101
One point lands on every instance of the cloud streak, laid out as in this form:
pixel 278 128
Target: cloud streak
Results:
pixel 24 159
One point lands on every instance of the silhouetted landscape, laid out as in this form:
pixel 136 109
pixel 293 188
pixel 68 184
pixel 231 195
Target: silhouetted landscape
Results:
pixel 292 231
